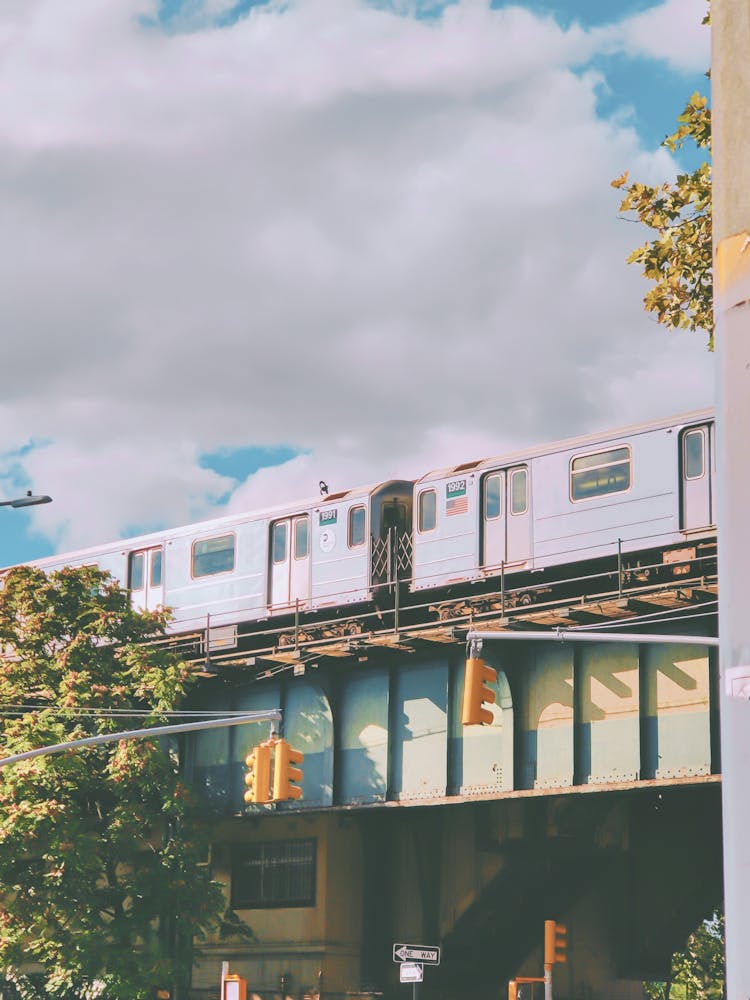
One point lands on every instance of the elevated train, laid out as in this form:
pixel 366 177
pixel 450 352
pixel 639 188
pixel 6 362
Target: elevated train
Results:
pixel 640 498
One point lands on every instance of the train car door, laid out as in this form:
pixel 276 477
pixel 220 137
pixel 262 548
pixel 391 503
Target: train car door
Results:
pixel 290 562
pixel 146 578
pixel 493 519
pixel 506 517
pixel 696 463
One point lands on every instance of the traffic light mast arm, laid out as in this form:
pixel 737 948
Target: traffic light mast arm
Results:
pixel 270 715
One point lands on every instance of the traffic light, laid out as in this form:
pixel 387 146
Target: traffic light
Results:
pixel 476 692
pixel 555 942
pixel 285 772
pixel 233 987
pixel 258 774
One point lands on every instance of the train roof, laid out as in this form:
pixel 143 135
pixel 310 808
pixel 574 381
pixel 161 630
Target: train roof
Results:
pixel 568 444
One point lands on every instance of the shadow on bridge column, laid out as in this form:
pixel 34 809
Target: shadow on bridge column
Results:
pixel 631 873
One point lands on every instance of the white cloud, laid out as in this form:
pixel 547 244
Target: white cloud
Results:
pixel 389 242
pixel 100 492
pixel 671 31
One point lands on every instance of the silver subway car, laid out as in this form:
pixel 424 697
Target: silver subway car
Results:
pixel 327 552
pixel 646 488
pixel 644 494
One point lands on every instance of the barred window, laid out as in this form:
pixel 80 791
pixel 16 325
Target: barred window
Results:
pixel 273 873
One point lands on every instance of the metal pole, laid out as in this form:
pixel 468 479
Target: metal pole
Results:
pixel 569 635
pixel 730 85
pixel 619 567
pixel 395 605
pixel 133 734
pixel 547 982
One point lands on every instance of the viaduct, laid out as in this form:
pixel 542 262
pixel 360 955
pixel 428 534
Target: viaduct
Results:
pixel 592 798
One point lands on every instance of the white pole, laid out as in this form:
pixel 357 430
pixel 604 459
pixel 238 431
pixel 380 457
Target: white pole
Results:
pixel 477 636
pixel 271 715
pixel 730 81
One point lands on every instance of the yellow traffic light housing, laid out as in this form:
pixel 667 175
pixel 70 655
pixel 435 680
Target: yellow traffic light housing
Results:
pixel 286 773
pixel 476 692
pixel 233 987
pixel 258 775
pixel 555 942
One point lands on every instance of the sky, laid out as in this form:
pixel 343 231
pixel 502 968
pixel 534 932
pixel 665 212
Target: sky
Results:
pixel 250 246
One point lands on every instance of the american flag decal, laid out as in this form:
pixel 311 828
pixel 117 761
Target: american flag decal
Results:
pixel 456 498
pixel 457 505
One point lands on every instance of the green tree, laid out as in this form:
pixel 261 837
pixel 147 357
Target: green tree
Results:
pixel 698 970
pixel 102 890
pixel 678 260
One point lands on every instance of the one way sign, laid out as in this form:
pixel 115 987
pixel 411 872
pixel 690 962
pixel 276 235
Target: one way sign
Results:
pixel 422 953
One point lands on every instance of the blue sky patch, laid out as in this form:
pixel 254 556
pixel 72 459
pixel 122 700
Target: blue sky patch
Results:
pixel 239 463
pixel 187 15
pixel 655 97
pixel 587 13
pixel 19 543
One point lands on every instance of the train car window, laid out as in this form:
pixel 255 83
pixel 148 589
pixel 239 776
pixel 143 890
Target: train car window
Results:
pixel 599 474
pixel 694 457
pixel 493 497
pixel 279 542
pixel 427 510
pixel 213 555
pixel 156 564
pixel 302 537
pixel 135 571
pixel 519 500
pixel 356 527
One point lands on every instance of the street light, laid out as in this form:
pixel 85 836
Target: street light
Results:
pixel 28 501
